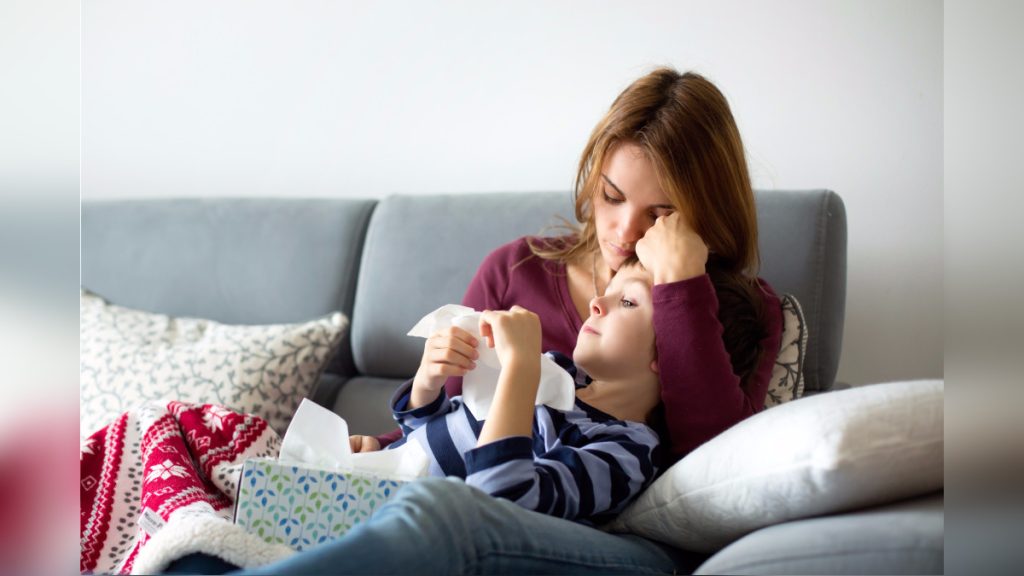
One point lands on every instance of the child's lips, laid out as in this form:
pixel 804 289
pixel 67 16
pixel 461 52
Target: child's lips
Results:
pixel 588 330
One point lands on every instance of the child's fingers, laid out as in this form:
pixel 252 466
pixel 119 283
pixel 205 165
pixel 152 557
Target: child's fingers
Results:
pixel 448 340
pixel 462 335
pixel 449 356
pixel 486 331
pixel 438 370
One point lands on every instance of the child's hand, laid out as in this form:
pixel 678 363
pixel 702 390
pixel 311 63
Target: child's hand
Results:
pixel 515 335
pixel 363 443
pixel 448 352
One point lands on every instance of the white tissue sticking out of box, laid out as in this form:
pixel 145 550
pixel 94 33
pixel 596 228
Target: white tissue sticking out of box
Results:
pixel 479 385
pixel 318 438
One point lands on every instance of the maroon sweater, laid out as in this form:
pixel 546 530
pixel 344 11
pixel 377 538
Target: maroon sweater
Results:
pixel 701 394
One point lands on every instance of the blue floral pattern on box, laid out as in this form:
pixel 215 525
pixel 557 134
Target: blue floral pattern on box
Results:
pixel 301 507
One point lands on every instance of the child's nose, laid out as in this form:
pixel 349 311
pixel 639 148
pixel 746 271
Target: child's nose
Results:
pixel 595 306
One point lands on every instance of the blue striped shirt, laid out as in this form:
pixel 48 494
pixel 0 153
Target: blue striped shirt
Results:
pixel 581 464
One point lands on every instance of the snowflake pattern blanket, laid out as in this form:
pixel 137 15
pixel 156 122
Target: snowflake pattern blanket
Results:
pixel 159 483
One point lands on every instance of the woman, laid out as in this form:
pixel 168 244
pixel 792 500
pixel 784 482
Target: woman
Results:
pixel 663 177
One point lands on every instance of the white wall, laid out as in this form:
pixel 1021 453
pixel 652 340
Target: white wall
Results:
pixel 331 98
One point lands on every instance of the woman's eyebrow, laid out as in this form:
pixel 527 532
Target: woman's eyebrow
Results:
pixel 612 184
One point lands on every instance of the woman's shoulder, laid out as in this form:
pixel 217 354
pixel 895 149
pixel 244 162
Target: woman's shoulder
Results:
pixel 523 248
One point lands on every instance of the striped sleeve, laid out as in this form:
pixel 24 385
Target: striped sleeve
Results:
pixel 409 420
pixel 611 465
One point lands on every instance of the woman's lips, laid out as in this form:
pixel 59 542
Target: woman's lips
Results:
pixel 620 251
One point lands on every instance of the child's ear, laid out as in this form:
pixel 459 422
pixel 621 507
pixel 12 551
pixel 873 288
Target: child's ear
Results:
pixel 654 365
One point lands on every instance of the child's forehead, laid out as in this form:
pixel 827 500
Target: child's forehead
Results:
pixel 634 275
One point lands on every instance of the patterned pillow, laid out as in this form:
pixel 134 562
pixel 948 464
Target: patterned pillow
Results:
pixel 787 381
pixel 130 356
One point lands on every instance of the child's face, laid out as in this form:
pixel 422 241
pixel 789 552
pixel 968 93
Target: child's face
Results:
pixel 617 341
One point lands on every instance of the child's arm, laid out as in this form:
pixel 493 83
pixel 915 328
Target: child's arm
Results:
pixel 611 465
pixel 410 418
pixel 515 335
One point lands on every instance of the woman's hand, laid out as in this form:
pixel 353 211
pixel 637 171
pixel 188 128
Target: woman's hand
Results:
pixel 672 250
pixel 363 443
pixel 514 334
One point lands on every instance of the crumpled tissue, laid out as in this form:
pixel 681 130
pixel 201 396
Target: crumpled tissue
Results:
pixel 318 438
pixel 556 389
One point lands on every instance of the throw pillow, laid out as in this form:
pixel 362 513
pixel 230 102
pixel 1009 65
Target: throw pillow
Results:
pixel 130 356
pixel 787 381
pixel 821 454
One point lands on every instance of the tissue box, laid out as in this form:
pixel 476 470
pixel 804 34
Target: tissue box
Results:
pixel 300 506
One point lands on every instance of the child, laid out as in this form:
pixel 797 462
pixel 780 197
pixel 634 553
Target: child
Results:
pixel 584 464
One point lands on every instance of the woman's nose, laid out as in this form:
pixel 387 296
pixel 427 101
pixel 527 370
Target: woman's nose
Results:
pixel 632 228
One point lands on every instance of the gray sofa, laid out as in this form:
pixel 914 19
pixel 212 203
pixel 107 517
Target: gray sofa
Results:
pixel 385 263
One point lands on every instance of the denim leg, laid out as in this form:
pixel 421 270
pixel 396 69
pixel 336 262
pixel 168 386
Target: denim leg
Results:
pixel 442 526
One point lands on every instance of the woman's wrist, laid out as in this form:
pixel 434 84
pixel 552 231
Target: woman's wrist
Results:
pixel 667 274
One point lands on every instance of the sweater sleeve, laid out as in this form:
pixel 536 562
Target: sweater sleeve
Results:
pixel 409 420
pixel 599 478
pixel 702 395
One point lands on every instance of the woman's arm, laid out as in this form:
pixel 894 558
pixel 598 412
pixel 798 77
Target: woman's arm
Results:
pixel 702 395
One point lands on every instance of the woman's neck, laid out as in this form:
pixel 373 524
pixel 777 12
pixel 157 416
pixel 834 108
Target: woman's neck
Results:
pixel 632 400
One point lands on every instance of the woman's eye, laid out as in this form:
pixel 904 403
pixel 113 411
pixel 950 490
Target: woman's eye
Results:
pixel 610 199
pixel 626 303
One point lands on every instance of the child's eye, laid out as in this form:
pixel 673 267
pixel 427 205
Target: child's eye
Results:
pixel 627 303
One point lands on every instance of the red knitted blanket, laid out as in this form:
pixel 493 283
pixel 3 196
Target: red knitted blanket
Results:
pixel 159 482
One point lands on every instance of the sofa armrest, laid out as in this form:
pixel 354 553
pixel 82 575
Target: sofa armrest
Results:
pixel 904 537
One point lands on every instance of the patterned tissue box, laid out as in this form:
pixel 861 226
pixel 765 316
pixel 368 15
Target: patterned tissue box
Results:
pixel 300 507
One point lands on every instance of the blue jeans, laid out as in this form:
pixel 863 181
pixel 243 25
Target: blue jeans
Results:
pixel 443 526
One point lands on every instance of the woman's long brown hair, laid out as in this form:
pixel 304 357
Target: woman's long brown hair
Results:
pixel 684 125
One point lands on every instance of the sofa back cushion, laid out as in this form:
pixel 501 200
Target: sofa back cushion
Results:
pixel 422 251
pixel 233 260
pixel 803 252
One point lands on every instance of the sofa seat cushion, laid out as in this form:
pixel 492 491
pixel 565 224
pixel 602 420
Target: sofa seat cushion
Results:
pixel 363 403
pixel 820 454
pixel 900 538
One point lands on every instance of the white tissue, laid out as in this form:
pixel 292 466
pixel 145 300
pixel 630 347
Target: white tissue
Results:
pixel 318 438
pixel 478 386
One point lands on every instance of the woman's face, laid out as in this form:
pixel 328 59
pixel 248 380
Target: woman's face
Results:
pixel 626 203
